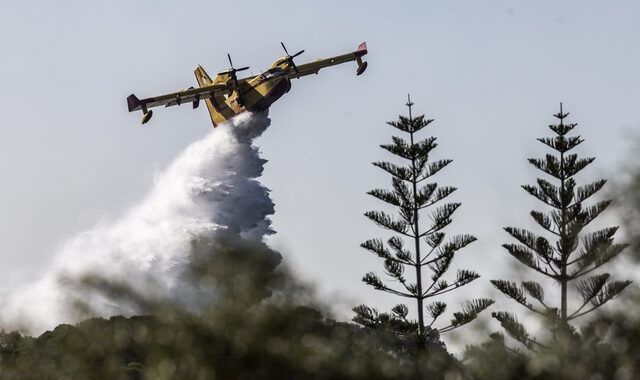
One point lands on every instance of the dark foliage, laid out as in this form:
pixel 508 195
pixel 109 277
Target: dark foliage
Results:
pixel 257 327
pixel 266 343
pixel 605 349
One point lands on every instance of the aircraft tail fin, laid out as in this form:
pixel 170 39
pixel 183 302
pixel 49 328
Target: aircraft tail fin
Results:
pixel 202 77
pixel 214 105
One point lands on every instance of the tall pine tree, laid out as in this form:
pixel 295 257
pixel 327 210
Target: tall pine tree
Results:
pixel 412 195
pixel 569 261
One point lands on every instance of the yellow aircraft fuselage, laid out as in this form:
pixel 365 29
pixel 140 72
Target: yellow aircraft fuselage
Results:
pixel 256 94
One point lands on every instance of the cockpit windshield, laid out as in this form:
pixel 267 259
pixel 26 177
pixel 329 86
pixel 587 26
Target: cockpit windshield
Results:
pixel 274 72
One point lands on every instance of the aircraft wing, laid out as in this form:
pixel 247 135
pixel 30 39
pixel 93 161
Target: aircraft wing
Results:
pixel 191 95
pixel 314 67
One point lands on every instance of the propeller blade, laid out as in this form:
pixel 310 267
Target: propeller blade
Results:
pixel 230 63
pixel 243 68
pixel 285 49
pixel 297 54
pixel 295 68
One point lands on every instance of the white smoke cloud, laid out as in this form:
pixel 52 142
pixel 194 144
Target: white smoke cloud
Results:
pixel 210 187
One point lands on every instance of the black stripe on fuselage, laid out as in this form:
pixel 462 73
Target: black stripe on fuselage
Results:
pixel 276 93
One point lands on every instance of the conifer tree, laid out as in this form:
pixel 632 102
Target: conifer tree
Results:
pixel 413 195
pixel 569 261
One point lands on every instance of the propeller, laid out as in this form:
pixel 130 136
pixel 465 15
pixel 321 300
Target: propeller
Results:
pixel 232 71
pixel 291 57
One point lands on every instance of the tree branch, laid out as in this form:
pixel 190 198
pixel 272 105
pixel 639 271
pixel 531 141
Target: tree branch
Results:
pixel 446 289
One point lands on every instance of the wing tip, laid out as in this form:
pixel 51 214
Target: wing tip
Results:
pixel 133 103
pixel 362 48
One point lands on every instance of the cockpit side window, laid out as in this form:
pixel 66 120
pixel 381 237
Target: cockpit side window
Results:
pixel 273 72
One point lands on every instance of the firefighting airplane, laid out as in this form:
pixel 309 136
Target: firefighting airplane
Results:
pixel 227 96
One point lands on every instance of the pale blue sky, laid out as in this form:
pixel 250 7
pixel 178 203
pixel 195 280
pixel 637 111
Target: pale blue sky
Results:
pixel 490 72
